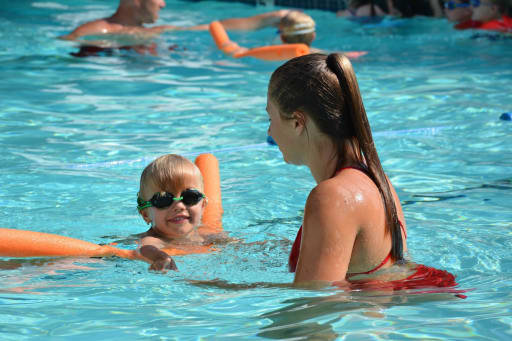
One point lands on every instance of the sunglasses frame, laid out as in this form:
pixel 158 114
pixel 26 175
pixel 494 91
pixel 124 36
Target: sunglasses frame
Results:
pixel 153 202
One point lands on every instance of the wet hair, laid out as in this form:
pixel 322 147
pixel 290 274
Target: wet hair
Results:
pixel 325 89
pixel 293 24
pixel 169 173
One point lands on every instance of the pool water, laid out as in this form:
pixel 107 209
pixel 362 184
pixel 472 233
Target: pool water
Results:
pixel 75 134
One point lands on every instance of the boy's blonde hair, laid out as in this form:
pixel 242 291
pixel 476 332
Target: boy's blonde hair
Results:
pixel 169 173
pixel 297 27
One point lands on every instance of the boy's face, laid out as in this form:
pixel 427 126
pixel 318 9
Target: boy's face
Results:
pixel 484 10
pixel 178 220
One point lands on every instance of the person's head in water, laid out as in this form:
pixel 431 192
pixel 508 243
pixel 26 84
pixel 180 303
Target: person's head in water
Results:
pixel 457 10
pixel 297 27
pixel 139 11
pixel 171 196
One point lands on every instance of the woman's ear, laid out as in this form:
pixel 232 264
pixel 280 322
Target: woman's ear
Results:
pixel 145 215
pixel 299 121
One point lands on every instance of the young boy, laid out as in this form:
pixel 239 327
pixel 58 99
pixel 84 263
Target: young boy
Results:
pixel 172 202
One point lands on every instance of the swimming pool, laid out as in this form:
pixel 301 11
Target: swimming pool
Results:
pixel 75 134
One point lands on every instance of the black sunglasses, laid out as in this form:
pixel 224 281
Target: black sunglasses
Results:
pixel 189 197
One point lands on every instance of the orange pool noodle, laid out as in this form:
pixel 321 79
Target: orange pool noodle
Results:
pixel 273 52
pixel 209 167
pixel 221 39
pixel 23 243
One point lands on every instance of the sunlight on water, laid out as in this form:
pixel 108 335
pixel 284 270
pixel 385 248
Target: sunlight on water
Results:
pixel 76 133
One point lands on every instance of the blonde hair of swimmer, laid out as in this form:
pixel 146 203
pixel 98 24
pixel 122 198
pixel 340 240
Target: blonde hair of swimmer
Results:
pixel 297 27
pixel 171 200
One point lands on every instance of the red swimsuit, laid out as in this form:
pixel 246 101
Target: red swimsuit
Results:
pixel 423 278
pixel 502 25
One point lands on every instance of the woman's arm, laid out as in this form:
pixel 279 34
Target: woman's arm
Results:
pixel 437 11
pixel 329 233
pixel 255 22
pixel 245 24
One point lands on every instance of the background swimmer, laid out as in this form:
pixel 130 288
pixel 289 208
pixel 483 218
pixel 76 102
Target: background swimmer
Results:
pixel 492 14
pixel 171 200
pixel 124 28
pixel 293 26
pixel 459 12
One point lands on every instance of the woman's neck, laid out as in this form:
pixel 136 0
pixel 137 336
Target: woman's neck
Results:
pixel 323 158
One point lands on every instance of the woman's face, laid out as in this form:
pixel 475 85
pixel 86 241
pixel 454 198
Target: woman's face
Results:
pixel 457 11
pixel 284 134
pixel 484 10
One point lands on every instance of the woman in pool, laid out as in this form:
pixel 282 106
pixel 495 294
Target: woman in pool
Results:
pixel 171 200
pixel 353 229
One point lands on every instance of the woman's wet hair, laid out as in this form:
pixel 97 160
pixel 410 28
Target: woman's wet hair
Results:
pixel 297 27
pixel 325 89
pixel 169 173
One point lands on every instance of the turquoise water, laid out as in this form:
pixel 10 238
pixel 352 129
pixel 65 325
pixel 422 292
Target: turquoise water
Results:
pixel 75 133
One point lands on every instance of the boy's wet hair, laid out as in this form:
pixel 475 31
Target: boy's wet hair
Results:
pixel 169 173
pixel 297 27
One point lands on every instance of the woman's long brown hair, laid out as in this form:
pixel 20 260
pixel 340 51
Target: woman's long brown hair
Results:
pixel 325 88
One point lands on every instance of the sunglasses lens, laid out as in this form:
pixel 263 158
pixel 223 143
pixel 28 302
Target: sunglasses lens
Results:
pixel 191 197
pixel 162 201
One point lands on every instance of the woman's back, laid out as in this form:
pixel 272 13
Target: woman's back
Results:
pixel 372 244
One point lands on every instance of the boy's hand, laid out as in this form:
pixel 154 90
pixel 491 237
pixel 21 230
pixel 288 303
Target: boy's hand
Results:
pixel 163 264
pixel 160 261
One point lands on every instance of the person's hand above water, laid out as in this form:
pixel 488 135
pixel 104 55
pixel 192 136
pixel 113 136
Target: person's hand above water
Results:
pixel 160 261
